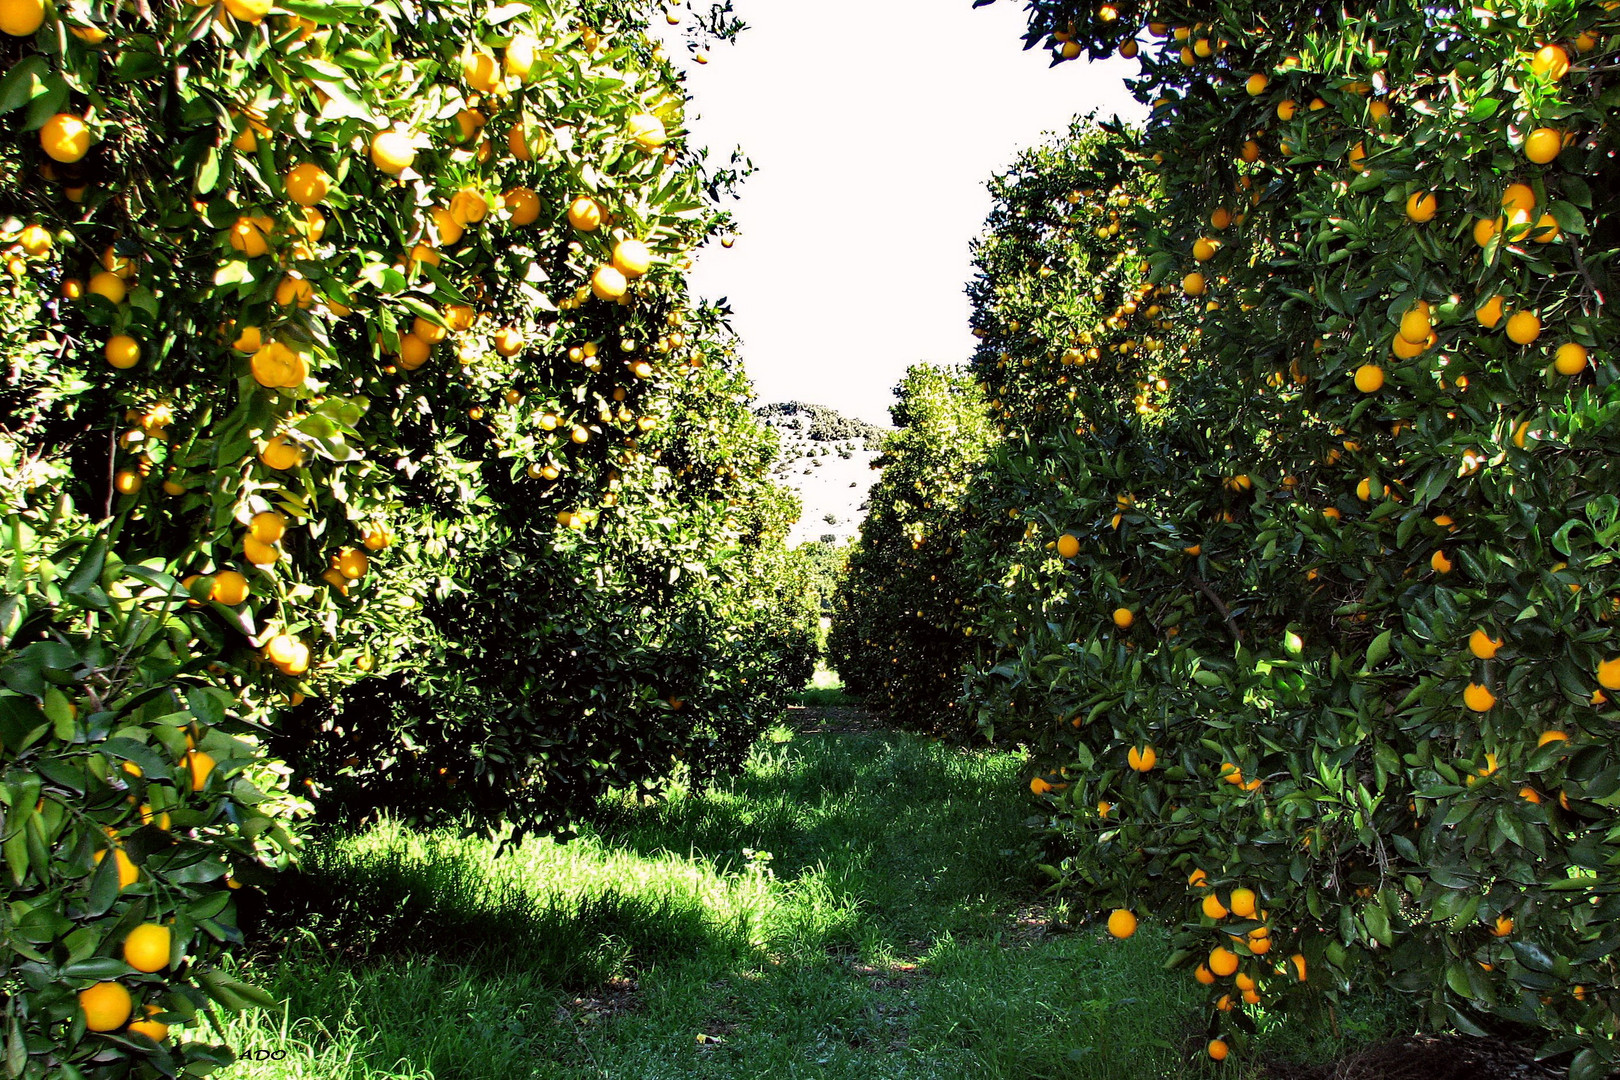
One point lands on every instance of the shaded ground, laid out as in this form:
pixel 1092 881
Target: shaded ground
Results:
pixel 1429 1057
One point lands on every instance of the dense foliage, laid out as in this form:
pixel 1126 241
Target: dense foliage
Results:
pixel 900 620
pixel 345 342
pixel 1320 655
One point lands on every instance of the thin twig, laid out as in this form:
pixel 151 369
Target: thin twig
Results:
pixel 1220 607
pixel 112 471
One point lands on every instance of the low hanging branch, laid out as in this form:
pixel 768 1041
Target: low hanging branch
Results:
pixel 1220 607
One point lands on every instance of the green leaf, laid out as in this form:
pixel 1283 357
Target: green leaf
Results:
pixel 23 82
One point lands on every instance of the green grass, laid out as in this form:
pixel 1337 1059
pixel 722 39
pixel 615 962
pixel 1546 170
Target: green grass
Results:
pixel 852 906
pixel 825 688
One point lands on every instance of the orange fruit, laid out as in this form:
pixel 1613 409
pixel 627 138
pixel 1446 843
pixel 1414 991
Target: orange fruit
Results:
pixel 109 286
pixel 200 764
pixel 609 283
pixel 1551 737
pixel 509 341
pixel 21 18
pixel 1068 546
pixel 1440 564
pixel 1193 284
pixel 155 1030
pixel 1421 206
pixel 1523 327
pixel 146 948
pixel 1478 698
pixel 1570 359
pixel 249 11
pixel 1141 760
pixel 1543 145
pixel 1608 674
pixel 352 563
pixel 1415 324
pixel 230 588
pixel 585 214
pixel 106 1006
pixel 1122 923
pixel 1197 878
pixel 1298 960
pixel 1490 312
pixel 1218 1049
pixel 122 351
pixel 1243 901
pixel 1203 975
pixel 1502 927
pixel 480 71
pixel 523 205
pixel 392 151
pixel 1213 907
pixel 647 131
pixel 1482 645
pixel 1369 378
pixel 631 258
pixel 1256 84
pixel 259 553
pixel 65 138
pixel 267 527
pixel 1223 961
pixel 281 454
pixel 307 184
pixel 1124 618
pixel 1550 62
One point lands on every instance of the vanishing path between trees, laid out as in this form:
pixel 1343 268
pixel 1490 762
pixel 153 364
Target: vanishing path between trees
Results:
pixel 859 903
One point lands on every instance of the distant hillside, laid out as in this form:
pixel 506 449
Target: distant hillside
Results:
pixel 827 459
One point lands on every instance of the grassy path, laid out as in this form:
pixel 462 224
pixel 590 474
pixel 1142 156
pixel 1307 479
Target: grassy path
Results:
pixel 855 905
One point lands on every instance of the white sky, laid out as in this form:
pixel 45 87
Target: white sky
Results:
pixel 874 125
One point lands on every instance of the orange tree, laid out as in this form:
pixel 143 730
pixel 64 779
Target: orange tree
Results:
pixel 897 637
pixel 304 304
pixel 1341 688
pixel 546 664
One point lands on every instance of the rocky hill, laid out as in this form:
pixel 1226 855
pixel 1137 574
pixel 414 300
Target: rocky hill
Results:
pixel 827 459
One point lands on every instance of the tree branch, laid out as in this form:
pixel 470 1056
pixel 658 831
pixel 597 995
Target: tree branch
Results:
pixel 1220 607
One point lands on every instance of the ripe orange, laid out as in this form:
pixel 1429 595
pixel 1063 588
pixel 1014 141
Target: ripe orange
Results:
pixel 1482 645
pixel 1122 923
pixel 1256 84
pixel 468 206
pixel 1608 674
pixel 106 1006
pixel 230 588
pixel 123 351
pixel 1523 327
pixel 1440 564
pixel 1550 62
pixel 632 258
pixel 352 563
pixel 1369 378
pixel 249 11
pixel 1551 737
pixel 647 131
pixel 1421 206
pixel 1298 960
pixel 1485 230
pixel 585 214
pixel 65 138
pixel 1068 546
pixel 1203 249
pixel 1490 312
pixel 523 205
pixel 200 764
pixel 307 184
pixel 21 18
pixel 1518 198
pixel 517 141
pixel 518 59
pixel 1502 927
pixel 1218 1049
pixel 108 285
pixel 1543 145
pixel 1213 907
pixel 392 151
pixel 1141 760
pixel 480 71
pixel 268 526
pixel 1223 961
pixel 1415 324
pixel 34 240
pixel 1203 975
pixel 281 454
pixel 1243 901
pixel 155 1030
pixel 1197 878
pixel 1570 359
pixel 1193 284
pixel 1124 617
pixel 609 283
pixel 251 235
pixel 259 553
pixel 1478 697
pixel 146 948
